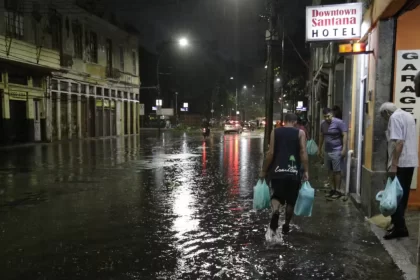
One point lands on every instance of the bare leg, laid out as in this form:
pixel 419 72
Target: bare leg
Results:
pixel 332 180
pixel 289 214
pixel 275 205
pixel 337 181
pixel 275 215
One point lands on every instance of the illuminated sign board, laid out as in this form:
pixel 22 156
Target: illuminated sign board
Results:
pixel 334 22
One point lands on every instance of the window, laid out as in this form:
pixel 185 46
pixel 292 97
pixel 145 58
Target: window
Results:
pixel 134 63
pixel 14 24
pixel 91 47
pixel 55 22
pixel 78 40
pixel 121 58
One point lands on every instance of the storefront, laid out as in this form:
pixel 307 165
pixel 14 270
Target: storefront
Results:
pixel 23 117
pixel 384 73
pixel 81 110
pixel 407 65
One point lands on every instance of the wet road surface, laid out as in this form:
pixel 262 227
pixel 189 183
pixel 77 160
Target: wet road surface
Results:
pixel 173 208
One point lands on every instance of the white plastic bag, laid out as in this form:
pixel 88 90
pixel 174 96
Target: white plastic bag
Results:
pixel 390 197
pixel 305 201
pixel 262 197
pixel 311 147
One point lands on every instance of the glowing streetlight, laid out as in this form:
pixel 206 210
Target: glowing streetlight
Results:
pixel 183 42
pixel 265 66
pixel 245 87
pixel 231 78
pixel 278 80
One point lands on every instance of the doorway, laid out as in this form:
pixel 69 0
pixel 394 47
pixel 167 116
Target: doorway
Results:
pixel 19 124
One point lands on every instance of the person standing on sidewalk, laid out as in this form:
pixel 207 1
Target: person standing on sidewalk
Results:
pixel 334 134
pixel 285 156
pixel 402 159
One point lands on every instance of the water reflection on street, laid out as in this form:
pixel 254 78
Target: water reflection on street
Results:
pixel 174 207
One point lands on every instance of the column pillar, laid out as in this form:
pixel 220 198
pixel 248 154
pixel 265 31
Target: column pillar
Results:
pixel 30 120
pixel 129 116
pixel 48 111
pixel 122 117
pixel 58 110
pixel 135 117
pixel 111 119
pixel 118 116
pixel 96 112
pixel 6 111
pixel 138 117
pixel 79 116
pixel 69 118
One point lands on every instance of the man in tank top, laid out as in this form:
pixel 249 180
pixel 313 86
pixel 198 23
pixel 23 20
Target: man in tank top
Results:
pixel 286 155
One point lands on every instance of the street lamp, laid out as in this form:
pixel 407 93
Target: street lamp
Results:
pixel 278 80
pixel 232 78
pixel 183 42
pixel 245 87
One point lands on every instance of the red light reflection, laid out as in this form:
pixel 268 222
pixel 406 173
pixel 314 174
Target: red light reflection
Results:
pixel 204 159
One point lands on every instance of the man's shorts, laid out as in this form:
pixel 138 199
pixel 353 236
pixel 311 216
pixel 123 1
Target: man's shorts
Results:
pixel 285 190
pixel 333 161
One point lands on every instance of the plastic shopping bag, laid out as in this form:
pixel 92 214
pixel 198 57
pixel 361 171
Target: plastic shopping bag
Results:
pixel 311 147
pixel 261 195
pixel 390 197
pixel 305 200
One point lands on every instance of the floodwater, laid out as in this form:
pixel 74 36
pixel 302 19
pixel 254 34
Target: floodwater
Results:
pixel 168 208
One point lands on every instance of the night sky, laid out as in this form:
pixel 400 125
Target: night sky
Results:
pixel 233 24
pixel 235 27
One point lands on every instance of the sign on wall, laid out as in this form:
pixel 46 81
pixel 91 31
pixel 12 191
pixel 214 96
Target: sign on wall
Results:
pixel 334 22
pixel 18 95
pixel 167 111
pixel 407 66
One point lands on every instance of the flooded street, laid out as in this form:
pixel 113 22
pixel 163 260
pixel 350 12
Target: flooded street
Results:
pixel 169 208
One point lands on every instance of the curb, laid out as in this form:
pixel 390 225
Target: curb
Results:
pixel 398 253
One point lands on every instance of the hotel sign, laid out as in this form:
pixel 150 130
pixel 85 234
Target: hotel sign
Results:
pixel 334 22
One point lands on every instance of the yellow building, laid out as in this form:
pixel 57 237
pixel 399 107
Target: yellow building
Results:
pixel 65 76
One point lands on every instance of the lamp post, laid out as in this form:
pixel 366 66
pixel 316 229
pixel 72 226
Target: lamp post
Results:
pixel 183 42
pixel 176 108
pixel 158 113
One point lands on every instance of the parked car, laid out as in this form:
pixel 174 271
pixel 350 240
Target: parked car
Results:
pixel 232 126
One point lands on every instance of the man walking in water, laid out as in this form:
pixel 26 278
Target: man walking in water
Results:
pixel 285 156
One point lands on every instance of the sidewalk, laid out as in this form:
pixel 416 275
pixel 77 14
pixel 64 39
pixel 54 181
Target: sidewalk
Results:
pixel 402 251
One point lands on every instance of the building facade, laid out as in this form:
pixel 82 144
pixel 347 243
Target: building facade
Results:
pixel 65 75
pixel 362 83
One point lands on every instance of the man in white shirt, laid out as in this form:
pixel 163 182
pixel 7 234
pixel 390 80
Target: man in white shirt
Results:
pixel 402 159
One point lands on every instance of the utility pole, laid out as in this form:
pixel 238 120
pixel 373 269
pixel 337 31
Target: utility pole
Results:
pixel 282 79
pixel 270 37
